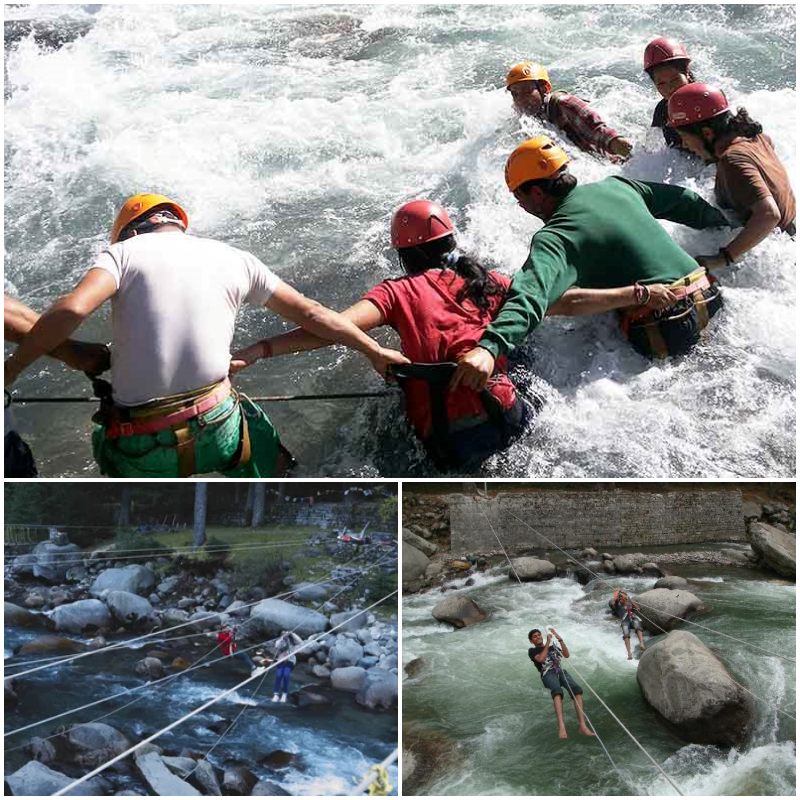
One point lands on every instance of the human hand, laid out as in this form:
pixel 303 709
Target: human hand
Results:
pixel 246 357
pixel 620 147
pixel 383 359
pixel 711 262
pixel 474 370
pixel 553 631
pixel 661 296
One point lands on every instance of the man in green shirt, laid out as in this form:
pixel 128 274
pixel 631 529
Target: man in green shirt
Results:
pixel 601 249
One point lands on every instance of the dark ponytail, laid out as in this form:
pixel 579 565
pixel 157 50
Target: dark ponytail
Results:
pixel 479 285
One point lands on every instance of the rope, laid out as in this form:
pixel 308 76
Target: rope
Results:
pixel 210 614
pixel 776 707
pixel 652 608
pixel 379 786
pixel 203 707
pixel 270 398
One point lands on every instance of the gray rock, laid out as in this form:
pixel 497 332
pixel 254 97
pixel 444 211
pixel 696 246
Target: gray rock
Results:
pixel 168 585
pixel 77 617
pixel 239 780
pixel 625 564
pixel 348 679
pixel 424 546
pixel 154 599
pixel 150 668
pixel 660 607
pixel 270 617
pixel 129 609
pixel 692 691
pixel 353 620
pixel 237 608
pixel 53 561
pixel 310 591
pixel 42 750
pixel 94 743
pixel 459 611
pixel 606 557
pixel 751 510
pixel 264 788
pixel 415 562
pixel 135 579
pixel 320 672
pixel 161 780
pixel 379 690
pixel 76 574
pixel 345 654
pixel 180 765
pixel 14 615
pixel 588 552
pixel 170 617
pixel 433 569
pixel 532 569
pixel 206 778
pixel 203 621
pixel 672 582
pixel 777 548
pixel 38 780
pixel 186 602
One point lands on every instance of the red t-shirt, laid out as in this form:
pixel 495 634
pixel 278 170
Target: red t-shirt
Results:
pixel 226 643
pixel 435 327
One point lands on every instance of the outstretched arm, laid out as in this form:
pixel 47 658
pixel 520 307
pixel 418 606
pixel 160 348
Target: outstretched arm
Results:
pixel 576 301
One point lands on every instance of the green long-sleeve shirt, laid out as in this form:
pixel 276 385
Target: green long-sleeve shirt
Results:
pixel 602 236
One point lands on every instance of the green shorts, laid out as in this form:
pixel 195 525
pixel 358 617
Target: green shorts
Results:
pixel 216 446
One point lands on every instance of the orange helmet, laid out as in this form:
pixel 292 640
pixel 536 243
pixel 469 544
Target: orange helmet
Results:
pixel 528 71
pixel 137 206
pixel 534 160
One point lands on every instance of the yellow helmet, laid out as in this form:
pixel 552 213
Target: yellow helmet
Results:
pixel 137 206
pixel 534 160
pixel 528 71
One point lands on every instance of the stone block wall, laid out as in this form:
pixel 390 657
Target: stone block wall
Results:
pixel 326 515
pixel 594 519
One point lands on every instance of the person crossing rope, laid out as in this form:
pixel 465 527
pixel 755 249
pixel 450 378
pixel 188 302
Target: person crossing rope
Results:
pixel 227 643
pixel 624 608
pixel 546 657
pixel 284 647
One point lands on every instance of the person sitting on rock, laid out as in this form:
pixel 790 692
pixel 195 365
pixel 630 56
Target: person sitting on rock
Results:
pixel 624 608
pixel 284 648
pixel 227 643
pixel 547 659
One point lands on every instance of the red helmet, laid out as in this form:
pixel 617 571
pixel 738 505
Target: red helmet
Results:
pixel 661 50
pixel 419 222
pixel 695 102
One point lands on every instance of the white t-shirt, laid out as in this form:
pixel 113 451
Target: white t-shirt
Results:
pixel 174 311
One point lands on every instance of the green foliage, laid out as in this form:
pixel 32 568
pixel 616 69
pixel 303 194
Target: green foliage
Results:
pixel 388 511
pixel 256 570
pixel 380 584
pixel 144 546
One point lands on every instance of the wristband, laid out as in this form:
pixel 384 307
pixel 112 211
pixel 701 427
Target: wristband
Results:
pixel 266 348
pixel 724 252
pixel 641 293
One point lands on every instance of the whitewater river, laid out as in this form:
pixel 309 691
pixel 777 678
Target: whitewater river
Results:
pixel 480 698
pixel 294 131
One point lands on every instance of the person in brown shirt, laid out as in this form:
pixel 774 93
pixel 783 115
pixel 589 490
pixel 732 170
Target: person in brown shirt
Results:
pixel 751 181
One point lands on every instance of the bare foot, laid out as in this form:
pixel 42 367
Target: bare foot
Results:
pixel 630 656
pixel 562 733
pixel 585 731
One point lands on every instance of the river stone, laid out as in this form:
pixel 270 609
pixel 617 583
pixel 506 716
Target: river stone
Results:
pixel 751 510
pixel 776 548
pixel 310 696
pixel 270 617
pixel 532 569
pixel 238 780
pixel 658 604
pixel 320 671
pixel 345 654
pixel 53 561
pixel 128 608
pixel 43 645
pixel 459 611
pixel 170 617
pixel 42 750
pixel 379 690
pixel 135 579
pixel 77 617
pixel 94 743
pixel 150 668
pixel 37 780
pixel 77 574
pixel 348 679
pixel 310 591
pixel 353 620
pixel 180 765
pixel 428 548
pixel 15 615
pixel 203 621
pixel 180 663
pixel 415 562
pixel 692 691
pixel 206 778
pixel 624 564
pixel 161 780
pixel 672 582
pixel 167 585
pixel 264 788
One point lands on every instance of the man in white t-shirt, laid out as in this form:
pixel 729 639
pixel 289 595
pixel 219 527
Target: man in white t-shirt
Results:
pixel 174 300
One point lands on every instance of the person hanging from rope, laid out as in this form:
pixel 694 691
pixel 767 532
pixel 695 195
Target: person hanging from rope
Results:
pixel 171 411
pixel 624 608
pixel 227 643
pixel 284 647
pixel 546 657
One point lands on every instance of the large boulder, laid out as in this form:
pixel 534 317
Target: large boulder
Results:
pixel 348 679
pixel 206 778
pixel 50 645
pixel 532 569
pixel 424 546
pixel 53 561
pixel 77 617
pixel 37 780
pixel 160 779
pixel 135 579
pixel 306 592
pixel 129 609
pixel 415 562
pixel 672 582
pixel 665 608
pixel 776 547
pixel 692 691
pixel 238 780
pixel 270 617
pixel 379 690
pixel 345 653
pixel 150 668
pixel 353 620
pixel 268 788
pixel 751 510
pixel 459 611
pixel 94 743
pixel 15 615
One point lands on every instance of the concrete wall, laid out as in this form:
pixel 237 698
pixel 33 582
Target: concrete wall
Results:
pixel 324 515
pixel 600 518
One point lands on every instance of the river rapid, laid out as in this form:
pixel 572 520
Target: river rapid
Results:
pixel 478 695
pixel 294 131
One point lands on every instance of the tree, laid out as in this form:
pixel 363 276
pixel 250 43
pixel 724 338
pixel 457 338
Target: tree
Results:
pixel 125 506
pixel 200 508
pixel 248 506
pixel 259 497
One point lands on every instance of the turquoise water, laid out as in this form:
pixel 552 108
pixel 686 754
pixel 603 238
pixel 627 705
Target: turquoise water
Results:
pixel 294 131
pixel 479 690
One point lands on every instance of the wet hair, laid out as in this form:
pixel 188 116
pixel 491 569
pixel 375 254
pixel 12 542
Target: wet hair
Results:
pixel 142 223
pixel 682 65
pixel 535 630
pixel 559 186
pixel 479 285
pixel 738 124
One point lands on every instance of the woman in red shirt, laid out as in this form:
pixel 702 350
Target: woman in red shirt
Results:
pixel 440 308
